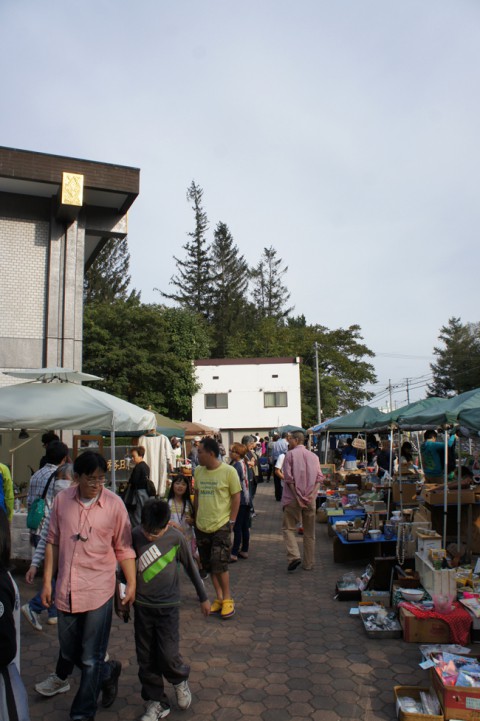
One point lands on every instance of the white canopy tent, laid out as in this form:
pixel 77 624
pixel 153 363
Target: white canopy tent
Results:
pixel 69 406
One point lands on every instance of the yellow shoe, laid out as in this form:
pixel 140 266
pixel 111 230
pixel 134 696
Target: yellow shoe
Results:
pixel 228 608
pixel 216 606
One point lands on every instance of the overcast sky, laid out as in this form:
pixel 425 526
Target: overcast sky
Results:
pixel 344 133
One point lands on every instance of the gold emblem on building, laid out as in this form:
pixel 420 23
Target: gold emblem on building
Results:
pixel 72 189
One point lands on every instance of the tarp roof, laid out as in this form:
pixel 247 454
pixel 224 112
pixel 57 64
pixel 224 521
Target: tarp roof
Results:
pixel 61 406
pixel 360 420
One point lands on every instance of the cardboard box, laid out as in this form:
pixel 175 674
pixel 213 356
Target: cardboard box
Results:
pixel 380 597
pixel 426 542
pixel 409 492
pixel 458 702
pixel 436 498
pixel 412 692
pixel 423 630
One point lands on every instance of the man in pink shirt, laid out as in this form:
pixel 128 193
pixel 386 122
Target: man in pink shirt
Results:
pixel 301 479
pixel 89 533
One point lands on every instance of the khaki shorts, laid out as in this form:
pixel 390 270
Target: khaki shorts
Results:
pixel 214 549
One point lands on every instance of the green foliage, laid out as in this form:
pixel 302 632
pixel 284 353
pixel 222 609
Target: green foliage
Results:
pixel 270 295
pixel 229 290
pixel 457 368
pixel 144 353
pixel 108 277
pixel 195 273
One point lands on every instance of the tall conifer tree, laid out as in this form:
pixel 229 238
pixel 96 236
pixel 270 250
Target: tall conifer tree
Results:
pixel 270 295
pixel 457 368
pixel 229 289
pixel 194 276
pixel 108 277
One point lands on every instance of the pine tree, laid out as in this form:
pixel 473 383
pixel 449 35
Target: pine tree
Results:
pixel 195 274
pixel 270 295
pixel 229 289
pixel 457 368
pixel 108 278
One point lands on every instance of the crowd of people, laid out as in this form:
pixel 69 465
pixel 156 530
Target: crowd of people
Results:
pixel 102 552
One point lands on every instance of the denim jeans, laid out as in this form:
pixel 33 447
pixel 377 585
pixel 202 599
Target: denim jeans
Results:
pixel 241 531
pixel 83 641
pixel 36 604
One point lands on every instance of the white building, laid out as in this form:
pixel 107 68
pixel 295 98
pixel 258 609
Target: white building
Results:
pixel 244 395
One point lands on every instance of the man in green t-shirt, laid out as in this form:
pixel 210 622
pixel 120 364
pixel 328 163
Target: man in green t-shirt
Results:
pixel 217 500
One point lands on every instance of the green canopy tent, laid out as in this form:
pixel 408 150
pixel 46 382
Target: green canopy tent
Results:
pixel 286 429
pixel 360 420
pixel 356 422
pixel 445 412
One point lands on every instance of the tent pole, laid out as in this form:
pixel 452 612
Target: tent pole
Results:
pixel 326 447
pixel 459 500
pixel 400 482
pixel 112 456
pixel 445 489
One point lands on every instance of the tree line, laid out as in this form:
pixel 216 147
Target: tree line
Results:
pixel 457 365
pixel 224 306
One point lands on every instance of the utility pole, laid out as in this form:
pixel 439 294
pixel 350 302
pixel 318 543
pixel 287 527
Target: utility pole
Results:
pixel 408 391
pixel 390 392
pixel 317 377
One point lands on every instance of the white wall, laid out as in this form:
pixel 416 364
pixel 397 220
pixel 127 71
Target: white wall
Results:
pixel 245 386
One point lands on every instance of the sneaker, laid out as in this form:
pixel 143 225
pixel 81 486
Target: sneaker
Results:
pixel 52 620
pixel 52 685
pixel 110 686
pixel 31 617
pixel 216 606
pixel 294 564
pixel 228 608
pixel 155 710
pixel 183 694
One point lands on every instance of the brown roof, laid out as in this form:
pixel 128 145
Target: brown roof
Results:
pixel 25 172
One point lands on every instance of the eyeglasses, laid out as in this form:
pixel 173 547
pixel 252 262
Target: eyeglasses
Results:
pixel 93 481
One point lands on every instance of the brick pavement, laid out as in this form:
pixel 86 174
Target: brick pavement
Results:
pixel 290 653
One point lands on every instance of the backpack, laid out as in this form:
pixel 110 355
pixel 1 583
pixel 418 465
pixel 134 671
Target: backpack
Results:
pixel 36 512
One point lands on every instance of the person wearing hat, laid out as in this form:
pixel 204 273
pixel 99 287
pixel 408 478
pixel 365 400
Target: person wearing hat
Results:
pixel 193 455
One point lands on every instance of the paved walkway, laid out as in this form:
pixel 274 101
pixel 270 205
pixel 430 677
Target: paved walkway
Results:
pixel 290 653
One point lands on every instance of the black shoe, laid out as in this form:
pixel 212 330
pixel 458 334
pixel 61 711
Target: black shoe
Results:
pixel 294 564
pixel 110 686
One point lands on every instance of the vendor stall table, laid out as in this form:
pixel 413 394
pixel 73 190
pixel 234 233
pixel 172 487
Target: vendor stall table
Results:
pixel 344 550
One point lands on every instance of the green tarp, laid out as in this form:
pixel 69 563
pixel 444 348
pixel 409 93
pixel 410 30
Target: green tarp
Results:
pixel 360 420
pixel 463 409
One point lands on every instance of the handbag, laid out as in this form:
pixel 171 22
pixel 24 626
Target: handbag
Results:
pixel 36 512
pixel 151 489
pixel 130 497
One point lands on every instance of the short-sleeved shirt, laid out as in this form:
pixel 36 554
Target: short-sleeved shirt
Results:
pixel 86 569
pixel 215 490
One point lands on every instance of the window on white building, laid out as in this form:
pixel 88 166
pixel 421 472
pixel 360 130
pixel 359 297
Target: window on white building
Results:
pixel 216 400
pixel 275 400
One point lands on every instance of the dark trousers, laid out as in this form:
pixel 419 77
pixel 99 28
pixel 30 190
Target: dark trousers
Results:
pixel 241 531
pixel 83 641
pixel 278 487
pixel 158 656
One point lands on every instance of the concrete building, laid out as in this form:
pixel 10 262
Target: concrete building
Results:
pixel 242 395
pixel 56 214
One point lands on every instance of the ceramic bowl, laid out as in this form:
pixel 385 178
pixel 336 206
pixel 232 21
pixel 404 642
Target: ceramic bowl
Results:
pixel 374 533
pixel 412 594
